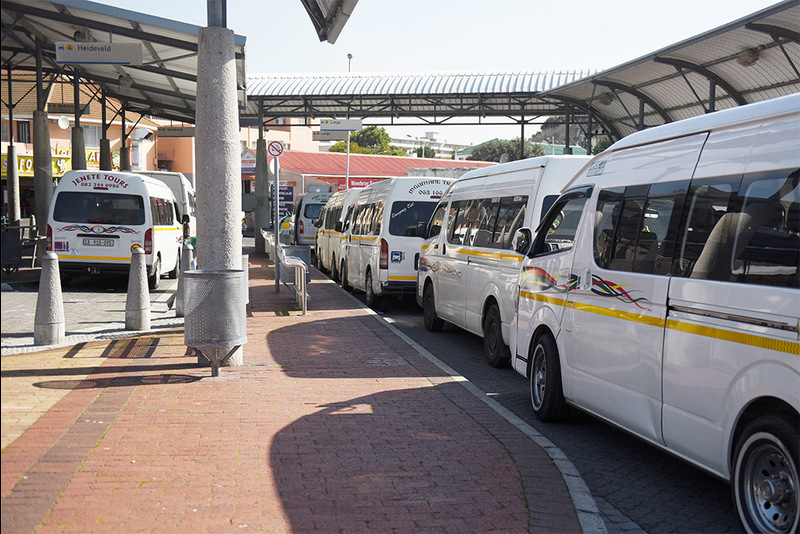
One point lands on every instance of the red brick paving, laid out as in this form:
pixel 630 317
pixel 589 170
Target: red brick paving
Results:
pixel 333 424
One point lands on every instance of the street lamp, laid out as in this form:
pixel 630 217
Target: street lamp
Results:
pixel 349 59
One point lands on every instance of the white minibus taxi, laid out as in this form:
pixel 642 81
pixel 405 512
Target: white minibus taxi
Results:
pixel 381 248
pixel 329 231
pixel 468 270
pixel 305 211
pixel 662 294
pixel 185 195
pixel 96 218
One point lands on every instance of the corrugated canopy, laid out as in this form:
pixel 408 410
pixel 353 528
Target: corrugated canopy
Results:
pixel 164 85
pixel 749 60
pixel 752 59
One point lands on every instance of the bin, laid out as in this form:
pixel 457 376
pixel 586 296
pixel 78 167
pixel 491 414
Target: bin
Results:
pixel 214 304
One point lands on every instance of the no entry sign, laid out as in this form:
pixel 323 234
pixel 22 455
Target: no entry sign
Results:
pixel 275 149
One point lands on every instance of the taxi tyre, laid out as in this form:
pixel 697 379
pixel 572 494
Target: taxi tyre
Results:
pixel 154 280
pixel 334 270
pixel 497 353
pixel 345 285
pixel 430 319
pixel 173 274
pixel 547 395
pixel 370 297
pixel 766 475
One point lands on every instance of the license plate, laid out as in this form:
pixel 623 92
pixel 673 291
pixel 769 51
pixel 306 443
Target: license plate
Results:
pixel 93 242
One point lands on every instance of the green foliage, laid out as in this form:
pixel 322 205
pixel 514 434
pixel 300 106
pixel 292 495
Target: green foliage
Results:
pixel 496 149
pixel 370 140
pixel 601 145
pixel 429 152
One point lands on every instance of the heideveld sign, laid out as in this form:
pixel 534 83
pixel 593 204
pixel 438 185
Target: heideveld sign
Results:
pixel 99 53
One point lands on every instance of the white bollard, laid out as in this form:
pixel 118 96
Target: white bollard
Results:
pixel 137 303
pixel 48 326
pixel 187 262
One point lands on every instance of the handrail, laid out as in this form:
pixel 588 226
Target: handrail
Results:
pixel 300 270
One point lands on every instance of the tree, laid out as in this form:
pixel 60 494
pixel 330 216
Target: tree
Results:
pixel 505 150
pixel 370 140
pixel 555 132
pixel 602 144
pixel 429 152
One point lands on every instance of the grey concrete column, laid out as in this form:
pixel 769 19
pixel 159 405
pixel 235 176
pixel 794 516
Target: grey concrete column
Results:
pixel 12 180
pixel 78 149
pixel 262 189
pixel 48 326
pixel 124 159
pixel 219 173
pixel 105 155
pixel 42 169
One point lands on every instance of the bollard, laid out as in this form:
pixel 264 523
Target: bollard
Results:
pixel 137 304
pixel 48 326
pixel 187 264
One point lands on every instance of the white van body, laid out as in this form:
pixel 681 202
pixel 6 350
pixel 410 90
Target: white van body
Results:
pixel 381 248
pixel 184 193
pixel 329 230
pixel 468 271
pixel 667 299
pixel 96 218
pixel 305 211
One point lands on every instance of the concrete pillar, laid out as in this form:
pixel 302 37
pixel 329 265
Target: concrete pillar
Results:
pixel 48 327
pixel 137 303
pixel 42 169
pixel 262 193
pixel 12 178
pixel 219 176
pixel 78 149
pixel 105 155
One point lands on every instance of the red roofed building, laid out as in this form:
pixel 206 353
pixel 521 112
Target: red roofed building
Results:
pixel 303 169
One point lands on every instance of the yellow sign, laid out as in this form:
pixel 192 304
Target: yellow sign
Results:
pixel 61 163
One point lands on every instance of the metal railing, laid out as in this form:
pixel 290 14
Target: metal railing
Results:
pixel 278 255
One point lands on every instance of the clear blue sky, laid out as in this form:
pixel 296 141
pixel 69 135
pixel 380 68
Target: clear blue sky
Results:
pixel 460 35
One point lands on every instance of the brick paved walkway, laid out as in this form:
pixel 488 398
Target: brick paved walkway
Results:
pixel 333 424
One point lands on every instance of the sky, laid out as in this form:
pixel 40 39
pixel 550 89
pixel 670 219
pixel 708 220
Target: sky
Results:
pixel 459 36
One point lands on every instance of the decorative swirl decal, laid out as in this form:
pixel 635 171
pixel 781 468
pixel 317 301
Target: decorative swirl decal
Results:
pixel 604 288
pixel 540 277
pixel 97 229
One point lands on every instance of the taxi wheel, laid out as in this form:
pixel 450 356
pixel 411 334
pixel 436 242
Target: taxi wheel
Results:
pixel 431 321
pixel 766 475
pixel 343 271
pixel 547 397
pixel 334 270
pixel 497 353
pixel 154 280
pixel 369 293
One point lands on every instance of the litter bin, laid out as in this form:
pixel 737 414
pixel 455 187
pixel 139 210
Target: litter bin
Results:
pixel 214 304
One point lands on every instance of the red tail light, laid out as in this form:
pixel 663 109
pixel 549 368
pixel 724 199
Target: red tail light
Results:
pixel 49 239
pixel 383 263
pixel 302 228
pixel 148 241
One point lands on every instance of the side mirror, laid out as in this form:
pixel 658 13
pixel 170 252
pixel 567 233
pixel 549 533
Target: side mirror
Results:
pixel 523 239
pixel 422 229
pixel 185 218
pixel 317 223
pixel 339 226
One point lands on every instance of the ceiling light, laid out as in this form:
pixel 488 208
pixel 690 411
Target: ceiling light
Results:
pixel 606 99
pixel 747 58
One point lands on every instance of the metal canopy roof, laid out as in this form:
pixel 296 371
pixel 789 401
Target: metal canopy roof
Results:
pixel 439 95
pixel 329 16
pixel 752 59
pixel 165 85
pixel 749 60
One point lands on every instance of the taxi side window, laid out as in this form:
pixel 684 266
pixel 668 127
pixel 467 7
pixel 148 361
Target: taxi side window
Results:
pixel 743 229
pixel 437 220
pixel 558 228
pixel 636 227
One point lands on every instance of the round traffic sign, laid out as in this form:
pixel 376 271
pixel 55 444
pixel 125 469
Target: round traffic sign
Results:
pixel 275 149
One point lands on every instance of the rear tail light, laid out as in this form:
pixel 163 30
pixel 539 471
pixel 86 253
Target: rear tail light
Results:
pixel 148 241
pixel 384 260
pixel 49 238
pixel 302 228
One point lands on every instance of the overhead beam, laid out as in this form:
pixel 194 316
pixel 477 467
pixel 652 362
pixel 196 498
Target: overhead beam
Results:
pixel 775 31
pixel 638 94
pixel 703 71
